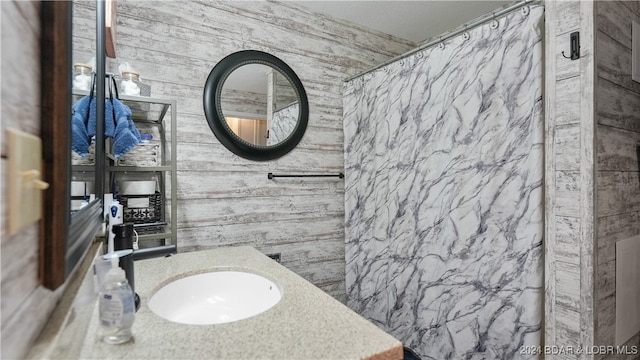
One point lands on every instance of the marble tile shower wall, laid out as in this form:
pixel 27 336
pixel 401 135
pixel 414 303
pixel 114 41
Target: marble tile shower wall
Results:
pixel 224 199
pixel 444 196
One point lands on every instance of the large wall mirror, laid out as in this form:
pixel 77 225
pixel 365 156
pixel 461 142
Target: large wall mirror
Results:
pixel 67 231
pixel 256 105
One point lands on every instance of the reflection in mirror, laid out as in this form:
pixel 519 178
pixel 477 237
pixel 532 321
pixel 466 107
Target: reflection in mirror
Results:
pixel 253 131
pixel 283 121
pixel 85 210
pixel 285 109
pixel 65 237
pixel 259 104
pixel 244 102
pixel 83 58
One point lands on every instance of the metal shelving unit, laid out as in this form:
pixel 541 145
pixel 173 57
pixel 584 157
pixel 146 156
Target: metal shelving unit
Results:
pixel 150 114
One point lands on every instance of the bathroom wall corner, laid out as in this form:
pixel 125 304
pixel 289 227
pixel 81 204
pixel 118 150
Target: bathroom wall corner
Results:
pixel 570 177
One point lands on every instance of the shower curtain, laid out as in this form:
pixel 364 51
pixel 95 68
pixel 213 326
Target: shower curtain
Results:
pixel 443 193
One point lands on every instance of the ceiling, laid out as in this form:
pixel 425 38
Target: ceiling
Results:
pixel 415 21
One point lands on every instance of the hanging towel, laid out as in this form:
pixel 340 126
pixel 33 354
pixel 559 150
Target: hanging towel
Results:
pixel 118 125
pixel 80 139
pixel 126 135
pixel 109 121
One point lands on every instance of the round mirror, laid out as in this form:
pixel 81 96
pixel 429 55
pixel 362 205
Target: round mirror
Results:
pixel 255 105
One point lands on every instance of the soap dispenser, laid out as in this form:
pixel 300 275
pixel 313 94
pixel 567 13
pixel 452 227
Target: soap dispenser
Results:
pixel 117 309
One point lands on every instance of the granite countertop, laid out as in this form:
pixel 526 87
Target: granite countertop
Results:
pixel 306 324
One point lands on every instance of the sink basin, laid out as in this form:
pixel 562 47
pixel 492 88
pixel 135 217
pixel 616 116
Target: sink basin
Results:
pixel 215 298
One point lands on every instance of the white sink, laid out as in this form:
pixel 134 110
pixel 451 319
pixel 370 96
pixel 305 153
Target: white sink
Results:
pixel 215 298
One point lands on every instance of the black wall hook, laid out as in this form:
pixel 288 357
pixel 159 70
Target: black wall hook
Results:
pixel 638 158
pixel 575 46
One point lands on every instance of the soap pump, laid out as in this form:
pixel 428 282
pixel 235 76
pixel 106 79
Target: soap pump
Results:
pixel 116 303
pixel 117 309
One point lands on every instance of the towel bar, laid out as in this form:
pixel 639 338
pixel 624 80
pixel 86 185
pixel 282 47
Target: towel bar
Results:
pixel 272 175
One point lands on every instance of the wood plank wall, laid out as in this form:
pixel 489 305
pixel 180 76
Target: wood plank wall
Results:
pixel 569 177
pixel 593 194
pixel 226 200
pixel 26 305
pixel 617 135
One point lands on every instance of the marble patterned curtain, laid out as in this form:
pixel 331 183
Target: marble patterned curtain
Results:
pixel 283 123
pixel 443 193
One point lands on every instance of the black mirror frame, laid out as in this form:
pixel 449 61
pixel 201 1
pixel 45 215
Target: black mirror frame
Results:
pixel 215 118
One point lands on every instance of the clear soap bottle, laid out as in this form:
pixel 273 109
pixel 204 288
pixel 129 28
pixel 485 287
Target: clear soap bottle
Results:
pixel 117 307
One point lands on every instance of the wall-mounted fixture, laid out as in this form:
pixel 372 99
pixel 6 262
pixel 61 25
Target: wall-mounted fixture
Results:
pixel 25 185
pixel 635 52
pixel 271 176
pixel 249 77
pixel 574 39
pixel 638 160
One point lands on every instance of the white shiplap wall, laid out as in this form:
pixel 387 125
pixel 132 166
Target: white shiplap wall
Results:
pixel 26 305
pixel 617 110
pixel 569 210
pixel 224 199
pixel 592 170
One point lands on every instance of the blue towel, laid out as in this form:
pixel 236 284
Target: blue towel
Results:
pixel 118 125
pixel 126 135
pixel 109 121
pixel 80 139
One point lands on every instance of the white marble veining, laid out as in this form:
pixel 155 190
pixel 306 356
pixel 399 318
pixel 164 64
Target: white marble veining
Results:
pixel 444 201
pixel 283 123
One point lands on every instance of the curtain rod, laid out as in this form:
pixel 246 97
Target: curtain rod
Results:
pixel 465 27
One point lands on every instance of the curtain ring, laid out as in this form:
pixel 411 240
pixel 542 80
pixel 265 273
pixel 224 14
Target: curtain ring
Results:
pixel 419 55
pixel 466 35
pixel 525 10
pixel 494 24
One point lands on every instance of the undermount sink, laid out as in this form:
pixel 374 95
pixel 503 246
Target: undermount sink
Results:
pixel 215 298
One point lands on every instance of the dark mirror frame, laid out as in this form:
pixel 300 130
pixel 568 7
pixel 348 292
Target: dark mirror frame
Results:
pixel 64 238
pixel 215 117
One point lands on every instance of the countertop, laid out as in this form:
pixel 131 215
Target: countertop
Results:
pixel 305 324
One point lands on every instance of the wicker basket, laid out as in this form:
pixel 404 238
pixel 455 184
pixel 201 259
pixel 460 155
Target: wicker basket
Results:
pixel 89 159
pixel 141 155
